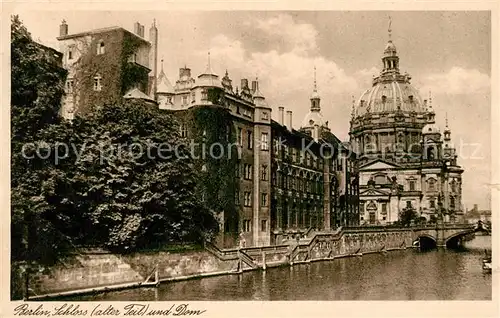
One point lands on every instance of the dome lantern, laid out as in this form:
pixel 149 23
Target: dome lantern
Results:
pixel 315 98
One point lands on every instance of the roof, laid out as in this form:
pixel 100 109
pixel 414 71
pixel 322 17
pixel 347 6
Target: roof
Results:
pixel 137 94
pixel 164 85
pixel 99 31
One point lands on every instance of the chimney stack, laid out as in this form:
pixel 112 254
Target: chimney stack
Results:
pixel 184 72
pixel 63 28
pixel 281 115
pixel 289 119
pixel 137 28
pixel 254 86
pixel 244 83
pixel 141 30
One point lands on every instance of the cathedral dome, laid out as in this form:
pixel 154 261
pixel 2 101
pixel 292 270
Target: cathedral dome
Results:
pixel 389 94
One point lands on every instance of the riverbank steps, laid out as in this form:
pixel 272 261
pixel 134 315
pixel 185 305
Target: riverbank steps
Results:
pixel 98 270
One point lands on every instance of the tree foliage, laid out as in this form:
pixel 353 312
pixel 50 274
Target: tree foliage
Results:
pixel 407 215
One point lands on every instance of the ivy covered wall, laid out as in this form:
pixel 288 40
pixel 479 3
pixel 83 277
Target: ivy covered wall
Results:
pixel 211 130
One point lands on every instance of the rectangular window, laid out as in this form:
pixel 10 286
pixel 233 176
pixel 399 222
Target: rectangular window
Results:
pixel 247 199
pixel 204 95
pixel 193 97
pixel 70 52
pixel 264 142
pixel 237 168
pixel 408 204
pixel 183 131
pixel 263 225
pixel 237 197
pixel 264 173
pixel 276 144
pixel 384 207
pixel 246 225
pixel 248 171
pixel 69 85
pixel 184 100
pixel 97 83
pixel 265 116
pixel 432 204
pixel 249 140
pixel 263 199
pixel 240 136
pixel 412 185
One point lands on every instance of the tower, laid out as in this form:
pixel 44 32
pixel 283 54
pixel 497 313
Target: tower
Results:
pixel 314 122
pixel 153 59
pixel 315 98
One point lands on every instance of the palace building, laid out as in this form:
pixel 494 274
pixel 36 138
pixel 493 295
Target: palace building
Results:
pixel 106 65
pixel 280 185
pixel 405 161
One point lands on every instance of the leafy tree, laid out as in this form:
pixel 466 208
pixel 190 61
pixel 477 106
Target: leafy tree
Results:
pixel 407 215
pixel 129 184
pixel 36 91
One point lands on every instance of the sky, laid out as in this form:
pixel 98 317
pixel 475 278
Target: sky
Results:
pixel 447 53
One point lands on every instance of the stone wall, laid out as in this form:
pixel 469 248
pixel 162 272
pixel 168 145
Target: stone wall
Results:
pixel 92 270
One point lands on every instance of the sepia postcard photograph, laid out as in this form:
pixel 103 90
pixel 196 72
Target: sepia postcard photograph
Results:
pixel 165 161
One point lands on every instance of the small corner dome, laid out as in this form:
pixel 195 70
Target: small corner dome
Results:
pixel 314 119
pixel 430 129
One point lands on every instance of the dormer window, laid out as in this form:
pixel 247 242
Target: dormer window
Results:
pixel 410 98
pixel 384 98
pixel 100 47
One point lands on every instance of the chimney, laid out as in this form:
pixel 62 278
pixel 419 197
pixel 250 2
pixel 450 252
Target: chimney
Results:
pixel 289 119
pixel 184 72
pixel 475 207
pixel 281 115
pixel 63 28
pixel 254 86
pixel 141 30
pixel 244 83
pixel 315 133
pixel 137 28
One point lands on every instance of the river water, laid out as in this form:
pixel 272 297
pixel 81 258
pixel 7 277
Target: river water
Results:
pixel 399 275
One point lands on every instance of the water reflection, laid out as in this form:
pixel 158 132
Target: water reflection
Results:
pixel 398 275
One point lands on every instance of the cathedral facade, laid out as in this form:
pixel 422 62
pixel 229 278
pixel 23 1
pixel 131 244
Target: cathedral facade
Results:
pixel 405 161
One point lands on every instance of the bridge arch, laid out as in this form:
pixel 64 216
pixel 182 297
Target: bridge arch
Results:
pixel 454 240
pixel 427 241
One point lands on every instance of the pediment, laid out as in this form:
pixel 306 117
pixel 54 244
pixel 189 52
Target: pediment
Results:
pixel 373 192
pixel 379 165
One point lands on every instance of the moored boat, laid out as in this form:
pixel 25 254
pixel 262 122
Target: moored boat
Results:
pixel 487 262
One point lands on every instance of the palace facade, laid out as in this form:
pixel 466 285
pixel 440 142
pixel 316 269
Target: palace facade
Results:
pixel 285 182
